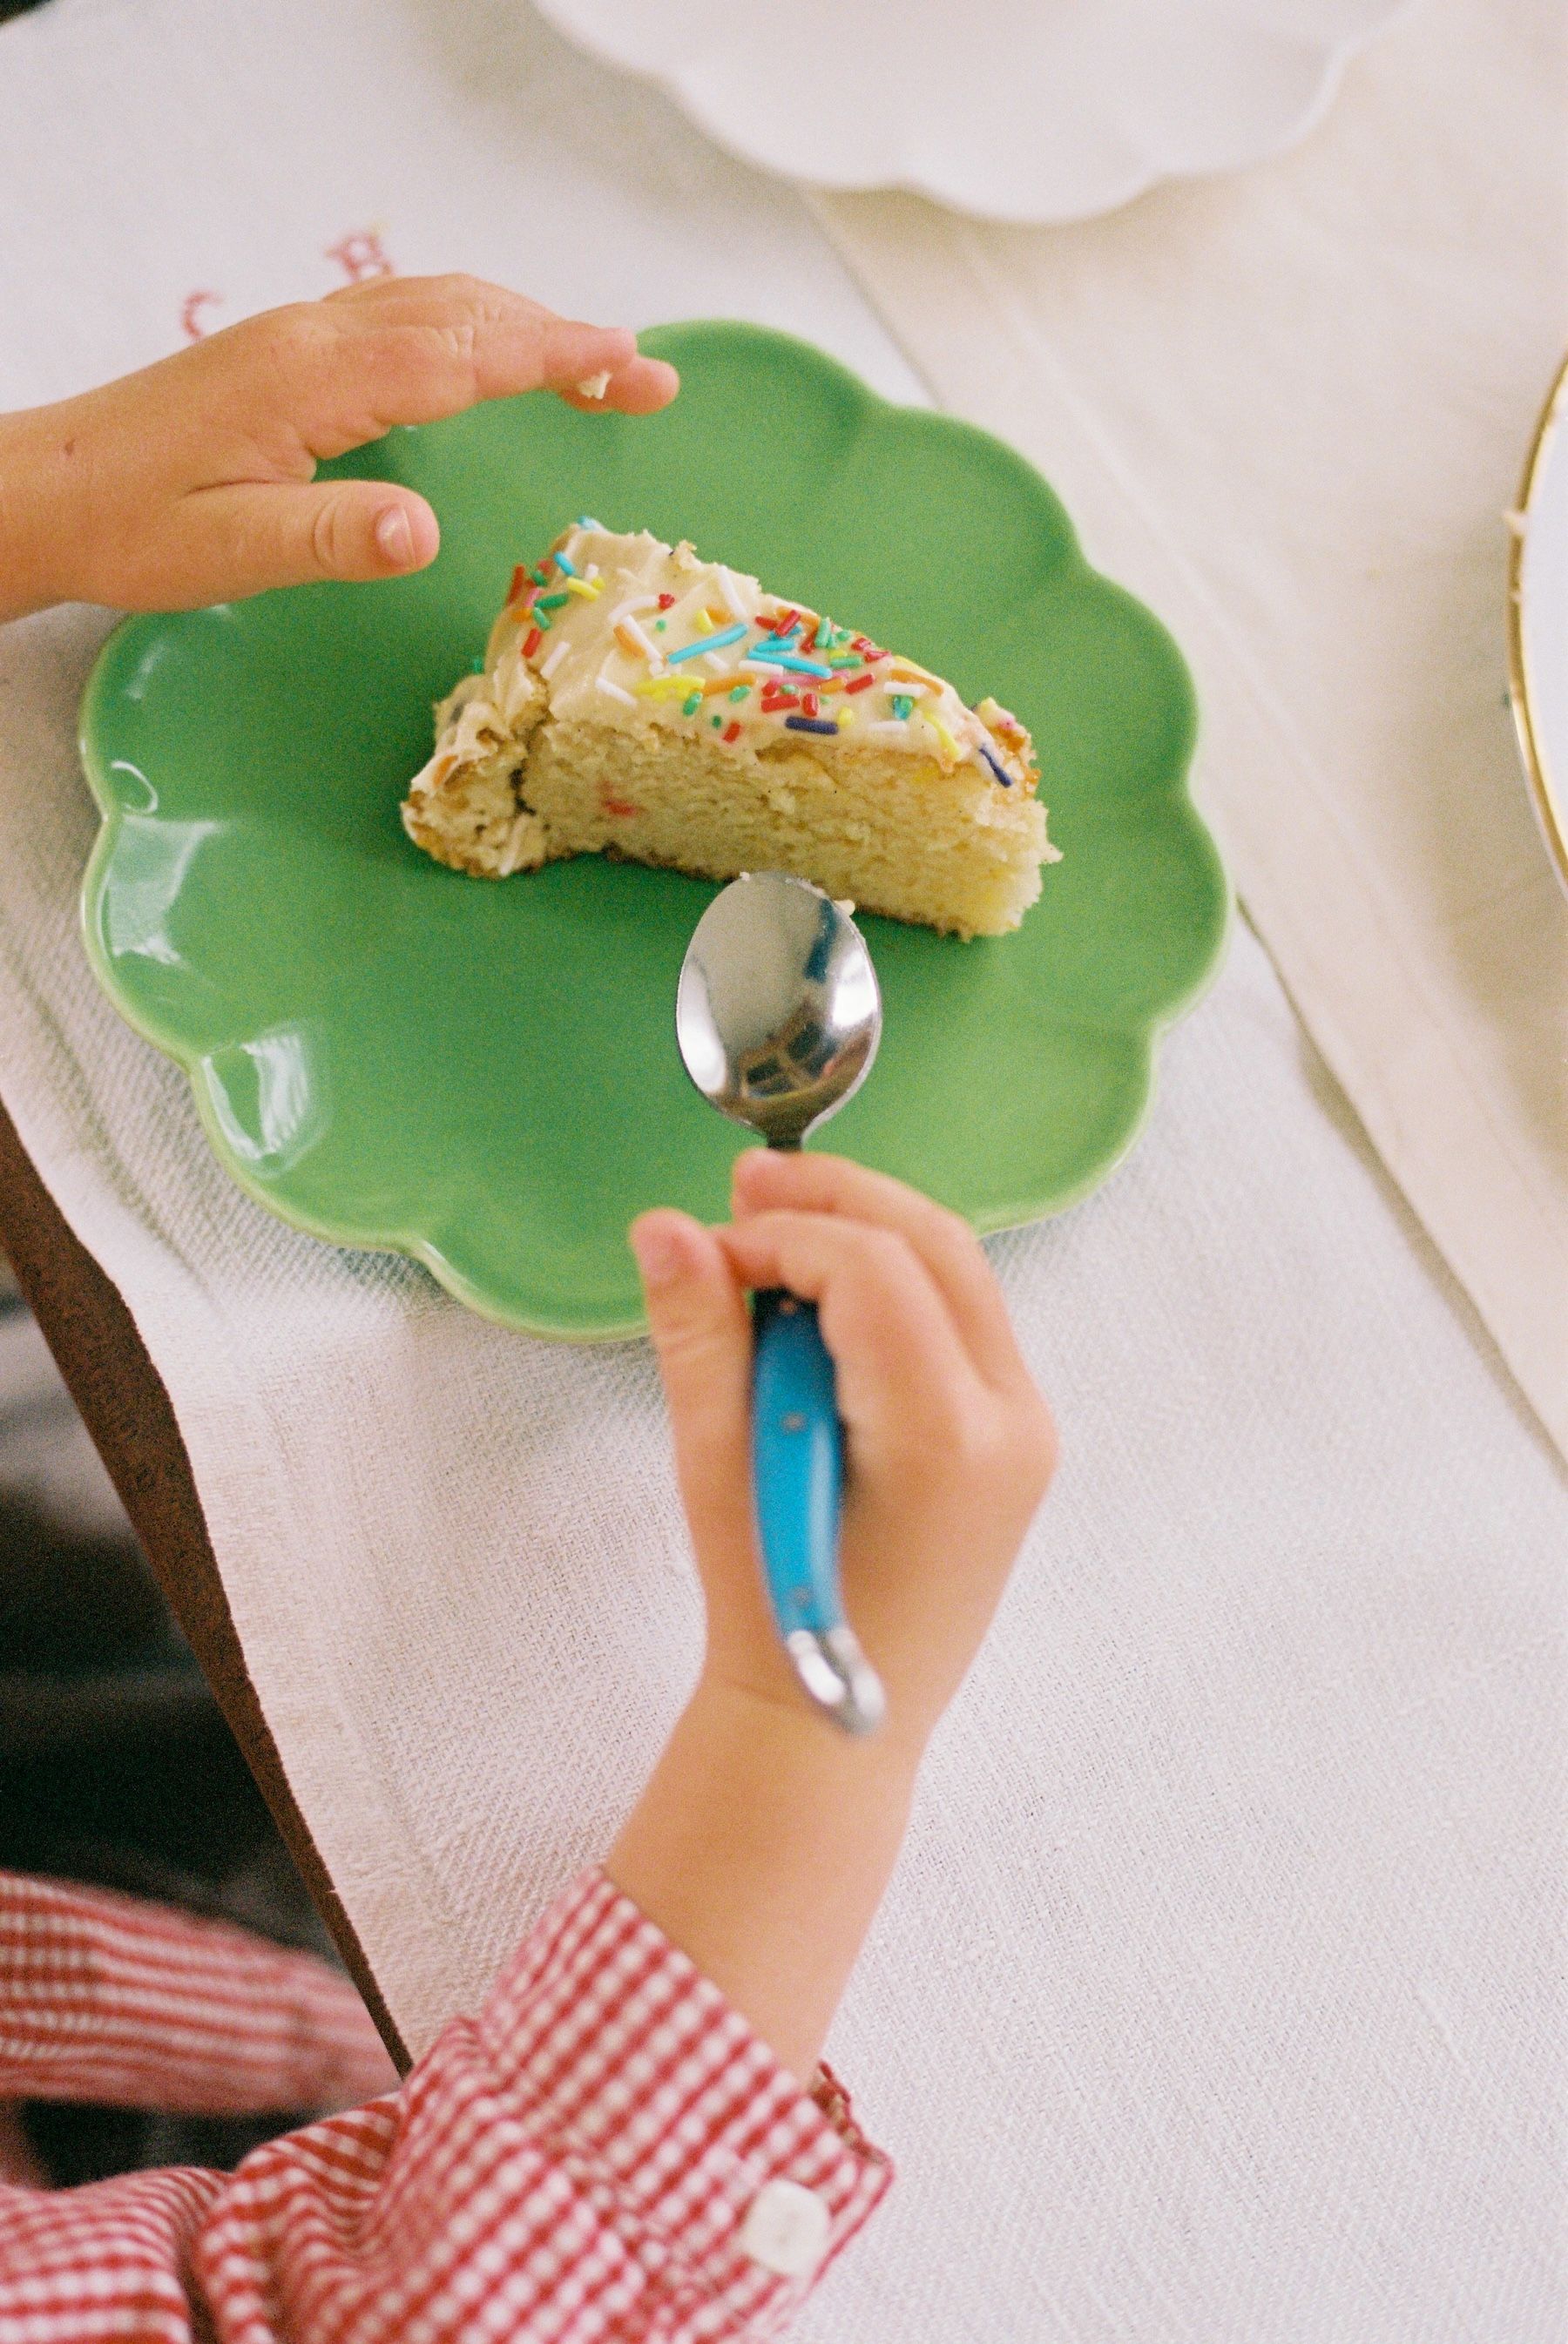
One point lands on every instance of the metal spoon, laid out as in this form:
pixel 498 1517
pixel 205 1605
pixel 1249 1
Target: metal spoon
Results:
pixel 778 1017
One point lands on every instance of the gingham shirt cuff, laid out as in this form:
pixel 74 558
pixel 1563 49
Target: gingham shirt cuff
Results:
pixel 676 2122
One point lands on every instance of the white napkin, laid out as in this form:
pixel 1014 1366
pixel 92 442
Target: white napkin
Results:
pixel 1291 409
pixel 1215 2000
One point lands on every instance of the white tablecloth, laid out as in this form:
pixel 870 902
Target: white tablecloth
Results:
pixel 1217 1998
pixel 1292 409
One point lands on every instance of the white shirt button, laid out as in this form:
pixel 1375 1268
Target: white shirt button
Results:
pixel 785 2229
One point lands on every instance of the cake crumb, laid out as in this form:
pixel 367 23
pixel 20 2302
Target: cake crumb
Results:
pixel 594 385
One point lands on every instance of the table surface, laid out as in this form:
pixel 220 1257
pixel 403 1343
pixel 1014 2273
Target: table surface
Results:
pixel 1216 1999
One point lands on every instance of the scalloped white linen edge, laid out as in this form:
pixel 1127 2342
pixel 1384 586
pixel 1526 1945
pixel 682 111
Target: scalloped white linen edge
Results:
pixel 1014 110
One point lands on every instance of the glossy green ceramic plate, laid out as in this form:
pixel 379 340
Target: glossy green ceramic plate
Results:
pixel 484 1074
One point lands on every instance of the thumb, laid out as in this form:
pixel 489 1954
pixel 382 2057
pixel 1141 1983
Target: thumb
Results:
pixel 243 540
pixel 702 1335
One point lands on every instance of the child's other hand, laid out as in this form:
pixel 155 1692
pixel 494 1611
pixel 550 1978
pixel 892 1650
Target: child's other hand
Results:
pixel 949 1445
pixel 191 482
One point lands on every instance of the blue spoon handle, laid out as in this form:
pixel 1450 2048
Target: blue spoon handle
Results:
pixel 797 1472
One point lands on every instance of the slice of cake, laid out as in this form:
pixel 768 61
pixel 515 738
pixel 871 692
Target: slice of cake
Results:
pixel 636 700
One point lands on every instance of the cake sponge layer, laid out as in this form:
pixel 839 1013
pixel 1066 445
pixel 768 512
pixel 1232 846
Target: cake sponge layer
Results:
pixel 894 833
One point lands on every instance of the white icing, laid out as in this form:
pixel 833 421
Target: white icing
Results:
pixel 628 601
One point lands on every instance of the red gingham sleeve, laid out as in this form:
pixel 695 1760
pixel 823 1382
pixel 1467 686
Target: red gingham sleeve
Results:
pixel 605 2152
pixel 128 2003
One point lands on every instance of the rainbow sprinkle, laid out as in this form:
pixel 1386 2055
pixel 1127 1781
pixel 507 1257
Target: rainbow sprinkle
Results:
pixel 707 643
pixel 791 660
pixel 630 638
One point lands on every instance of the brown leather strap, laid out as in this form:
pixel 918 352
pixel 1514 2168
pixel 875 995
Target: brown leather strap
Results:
pixel 127 1412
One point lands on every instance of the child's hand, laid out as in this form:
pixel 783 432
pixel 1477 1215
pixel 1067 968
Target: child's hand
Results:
pixel 949 1445
pixel 765 1836
pixel 191 482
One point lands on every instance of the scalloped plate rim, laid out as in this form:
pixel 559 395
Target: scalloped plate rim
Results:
pixel 1145 1031
pixel 1109 193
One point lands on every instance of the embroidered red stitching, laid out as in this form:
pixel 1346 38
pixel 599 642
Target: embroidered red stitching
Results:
pixel 360 255
pixel 189 315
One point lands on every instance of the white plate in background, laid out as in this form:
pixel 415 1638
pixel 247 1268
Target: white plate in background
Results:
pixel 1538 624
pixel 1010 109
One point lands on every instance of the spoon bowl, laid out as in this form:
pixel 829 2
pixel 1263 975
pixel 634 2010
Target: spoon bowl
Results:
pixel 778 1013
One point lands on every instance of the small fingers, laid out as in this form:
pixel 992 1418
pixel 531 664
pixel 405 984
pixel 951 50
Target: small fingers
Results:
pixel 414 350
pixel 702 1333
pixel 233 541
pixel 902 1371
pixel 765 1180
pixel 641 387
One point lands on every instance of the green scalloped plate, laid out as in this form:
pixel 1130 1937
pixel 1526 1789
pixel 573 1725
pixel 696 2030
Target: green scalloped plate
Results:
pixel 484 1075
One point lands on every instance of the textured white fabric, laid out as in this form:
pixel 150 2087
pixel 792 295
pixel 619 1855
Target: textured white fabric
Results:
pixel 1217 1998
pixel 1292 408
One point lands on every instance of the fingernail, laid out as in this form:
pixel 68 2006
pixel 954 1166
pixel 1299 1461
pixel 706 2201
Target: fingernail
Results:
pixel 395 539
pixel 660 1255
pixel 744 1170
